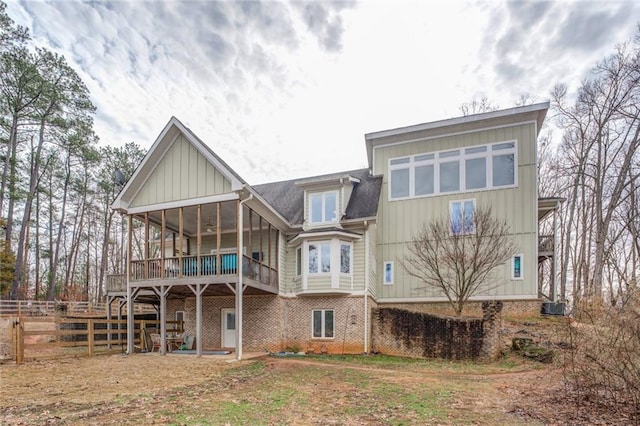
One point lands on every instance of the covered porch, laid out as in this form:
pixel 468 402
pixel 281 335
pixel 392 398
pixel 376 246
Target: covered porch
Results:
pixel 219 248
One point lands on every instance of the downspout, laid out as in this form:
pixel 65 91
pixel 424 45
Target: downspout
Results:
pixel 239 289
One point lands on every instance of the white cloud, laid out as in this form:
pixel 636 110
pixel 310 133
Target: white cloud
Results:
pixel 283 90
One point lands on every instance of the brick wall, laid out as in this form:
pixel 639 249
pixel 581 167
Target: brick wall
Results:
pixel 405 333
pixel 348 324
pixel 276 323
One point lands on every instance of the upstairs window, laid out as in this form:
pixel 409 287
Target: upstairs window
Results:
pixel 474 168
pixel 462 217
pixel 323 207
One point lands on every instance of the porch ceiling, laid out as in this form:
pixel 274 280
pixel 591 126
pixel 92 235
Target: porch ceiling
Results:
pixel 208 220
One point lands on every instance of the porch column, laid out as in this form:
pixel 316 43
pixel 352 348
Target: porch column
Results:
pixel 239 289
pixel 130 319
pixel 109 300
pixel 198 319
pixel 163 319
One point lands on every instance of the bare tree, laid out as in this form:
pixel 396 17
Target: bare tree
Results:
pixel 599 162
pixel 459 255
pixel 477 106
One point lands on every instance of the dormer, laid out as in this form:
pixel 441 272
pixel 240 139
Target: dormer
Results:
pixel 326 199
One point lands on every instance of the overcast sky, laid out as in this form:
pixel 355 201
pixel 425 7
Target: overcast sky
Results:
pixel 285 90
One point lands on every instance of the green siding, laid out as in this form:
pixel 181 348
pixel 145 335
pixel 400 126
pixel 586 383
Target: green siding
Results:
pixel 183 173
pixel 401 220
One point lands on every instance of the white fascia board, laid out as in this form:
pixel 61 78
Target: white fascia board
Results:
pixel 458 121
pixel 236 184
pixel 268 206
pixel 119 203
pixel 320 235
pixel 444 135
pixel 183 203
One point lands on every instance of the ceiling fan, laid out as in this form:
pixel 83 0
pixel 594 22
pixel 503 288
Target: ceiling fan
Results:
pixel 209 226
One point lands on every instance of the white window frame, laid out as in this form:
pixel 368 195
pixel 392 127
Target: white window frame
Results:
pixel 350 245
pixel 462 205
pixel 324 220
pixel 299 261
pixel 319 244
pixel 461 155
pixel 323 330
pixel 387 279
pixel 513 267
pixel 335 253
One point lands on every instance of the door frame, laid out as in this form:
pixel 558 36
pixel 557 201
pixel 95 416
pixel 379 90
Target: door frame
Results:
pixel 223 324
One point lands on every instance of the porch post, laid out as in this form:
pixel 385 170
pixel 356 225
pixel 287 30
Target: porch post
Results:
pixel 198 320
pixel 163 318
pixel 239 285
pixel 109 301
pixel 130 319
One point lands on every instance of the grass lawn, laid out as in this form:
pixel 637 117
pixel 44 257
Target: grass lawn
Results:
pixel 354 390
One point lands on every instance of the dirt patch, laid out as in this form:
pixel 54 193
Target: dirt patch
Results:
pixel 154 389
pixel 183 389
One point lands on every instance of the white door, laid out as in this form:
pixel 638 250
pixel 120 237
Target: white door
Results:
pixel 228 328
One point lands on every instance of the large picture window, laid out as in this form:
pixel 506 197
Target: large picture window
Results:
pixel 474 168
pixel 323 207
pixel 323 323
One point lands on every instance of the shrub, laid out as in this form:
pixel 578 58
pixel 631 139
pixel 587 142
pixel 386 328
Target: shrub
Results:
pixel 602 362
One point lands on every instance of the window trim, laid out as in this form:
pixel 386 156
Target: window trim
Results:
pixel 459 155
pixel 299 261
pixel 386 281
pixel 323 322
pixel 462 203
pixel 513 267
pixel 335 254
pixel 323 194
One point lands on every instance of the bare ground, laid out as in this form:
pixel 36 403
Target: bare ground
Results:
pixel 176 389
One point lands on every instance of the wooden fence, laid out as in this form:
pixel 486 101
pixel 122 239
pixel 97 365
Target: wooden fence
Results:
pixel 39 338
pixel 41 308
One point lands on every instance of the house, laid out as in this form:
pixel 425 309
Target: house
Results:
pixel 301 263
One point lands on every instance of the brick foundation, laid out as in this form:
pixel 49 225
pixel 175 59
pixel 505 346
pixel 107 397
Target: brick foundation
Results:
pixel 274 323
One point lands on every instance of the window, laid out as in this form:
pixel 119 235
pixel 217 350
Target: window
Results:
pixel 474 168
pixel 321 256
pixel 323 207
pixel 388 273
pixel 323 323
pixel 462 217
pixel 345 258
pixel 299 261
pixel 516 267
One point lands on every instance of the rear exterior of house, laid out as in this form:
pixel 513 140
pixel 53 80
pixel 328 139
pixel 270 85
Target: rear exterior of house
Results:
pixel 300 264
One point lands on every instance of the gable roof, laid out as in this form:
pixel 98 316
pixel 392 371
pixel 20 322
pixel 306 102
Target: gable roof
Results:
pixel 287 197
pixel 156 153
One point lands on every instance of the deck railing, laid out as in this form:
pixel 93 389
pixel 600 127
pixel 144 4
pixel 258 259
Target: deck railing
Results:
pixel 210 264
pixel 545 244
